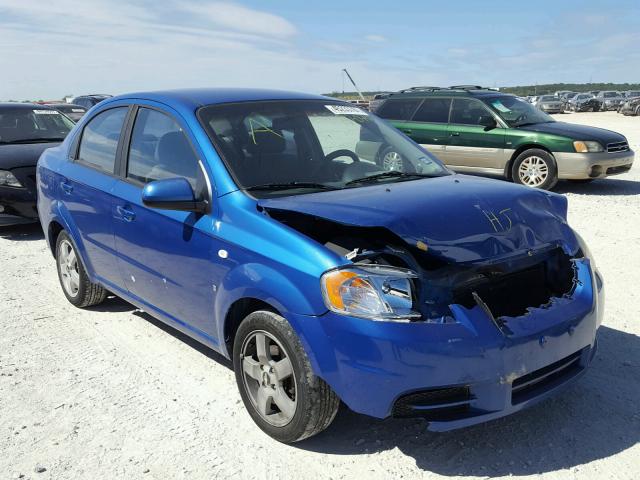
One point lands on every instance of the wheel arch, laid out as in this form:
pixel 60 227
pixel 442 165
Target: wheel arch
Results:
pixel 523 148
pixel 237 312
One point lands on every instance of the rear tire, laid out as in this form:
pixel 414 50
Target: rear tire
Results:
pixel 277 385
pixel 535 168
pixel 73 277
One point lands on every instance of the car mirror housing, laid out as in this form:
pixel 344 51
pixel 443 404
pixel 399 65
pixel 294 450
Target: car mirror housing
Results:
pixel 488 122
pixel 172 194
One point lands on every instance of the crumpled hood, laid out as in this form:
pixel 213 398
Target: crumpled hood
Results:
pixel 577 132
pixel 459 218
pixel 22 155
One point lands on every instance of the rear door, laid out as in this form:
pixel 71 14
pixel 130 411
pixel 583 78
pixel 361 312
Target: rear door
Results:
pixel 472 146
pixel 166 256
pixel 428 126
pixel 85 190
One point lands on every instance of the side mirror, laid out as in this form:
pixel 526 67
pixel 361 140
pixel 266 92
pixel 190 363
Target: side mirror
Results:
pixel 488 122
pixel 172 194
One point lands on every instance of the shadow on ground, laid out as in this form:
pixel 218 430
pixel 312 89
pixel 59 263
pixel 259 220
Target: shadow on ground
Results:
pixel 30 231
pixel 604 186
pixel 595 418
pixel 117 304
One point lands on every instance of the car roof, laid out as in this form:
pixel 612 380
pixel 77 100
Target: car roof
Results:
pixel 461 91
pixel 198 97
pixel 25 106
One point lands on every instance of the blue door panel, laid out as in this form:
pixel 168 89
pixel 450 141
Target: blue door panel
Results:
pixel 86 194
pixel 166 258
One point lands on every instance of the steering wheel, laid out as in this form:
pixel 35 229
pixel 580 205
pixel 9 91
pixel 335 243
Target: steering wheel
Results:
pixel 341 153
pixel 521 117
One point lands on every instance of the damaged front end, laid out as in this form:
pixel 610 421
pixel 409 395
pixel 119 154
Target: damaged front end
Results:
pixel 387 279
pixel 456 321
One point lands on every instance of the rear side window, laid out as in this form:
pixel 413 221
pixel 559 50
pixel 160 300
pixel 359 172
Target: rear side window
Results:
pixel 467 112
pixel 159 149
pixel 400 109
pixel 433 110
pixel 100 138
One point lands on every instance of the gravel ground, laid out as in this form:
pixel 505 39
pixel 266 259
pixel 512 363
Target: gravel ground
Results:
pixel 112 393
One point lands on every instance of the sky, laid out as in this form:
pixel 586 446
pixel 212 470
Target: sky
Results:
pixel 51 48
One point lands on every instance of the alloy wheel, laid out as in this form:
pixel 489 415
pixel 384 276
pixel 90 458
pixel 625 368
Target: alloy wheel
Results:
pixel 533 171
pixel 68 265
pixel 269 379
pixel 392 161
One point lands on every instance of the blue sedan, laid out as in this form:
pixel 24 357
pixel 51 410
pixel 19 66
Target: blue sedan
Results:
pixel 270 226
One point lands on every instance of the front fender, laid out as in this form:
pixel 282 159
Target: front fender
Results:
pixel 264 283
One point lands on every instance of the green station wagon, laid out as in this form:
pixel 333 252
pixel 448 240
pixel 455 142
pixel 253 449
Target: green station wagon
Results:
pixel 482 131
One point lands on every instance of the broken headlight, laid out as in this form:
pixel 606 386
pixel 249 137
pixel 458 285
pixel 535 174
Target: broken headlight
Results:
pixel 376 292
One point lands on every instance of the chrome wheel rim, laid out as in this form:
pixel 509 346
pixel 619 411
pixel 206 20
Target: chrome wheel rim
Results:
pixel 392 161
pixel 68 267
pixel 533 171
pixel 269 379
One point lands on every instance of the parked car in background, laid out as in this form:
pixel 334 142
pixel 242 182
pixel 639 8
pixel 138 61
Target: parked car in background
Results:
pixel 549 104
pixel 610 99
pixel 74 112
pixel 88 101
pixel 560 93
pixel 584 102
pixel 490 133
pixel 631 106
pixel 565 99
pixel 26 130
pixel 259 223
pixel 632 94
pixel 594 92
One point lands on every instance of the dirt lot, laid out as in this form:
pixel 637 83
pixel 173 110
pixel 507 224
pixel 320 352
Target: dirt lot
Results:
pixel 112 393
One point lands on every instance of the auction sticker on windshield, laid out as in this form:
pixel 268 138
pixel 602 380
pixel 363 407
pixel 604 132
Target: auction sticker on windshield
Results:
pixel 345 110
pixel 499 106
pixel 46 112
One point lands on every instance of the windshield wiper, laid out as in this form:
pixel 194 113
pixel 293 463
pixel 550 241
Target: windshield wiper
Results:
pixel 290 185
pixel 389 174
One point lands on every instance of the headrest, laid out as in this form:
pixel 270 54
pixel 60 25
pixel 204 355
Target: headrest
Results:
pixel 172 147
pixel 261 142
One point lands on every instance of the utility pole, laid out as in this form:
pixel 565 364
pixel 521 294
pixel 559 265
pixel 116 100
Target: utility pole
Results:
pixel 353 83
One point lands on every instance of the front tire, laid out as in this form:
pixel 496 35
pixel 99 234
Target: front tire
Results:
pixel 277 385
pixel 535 168
pixel 73 277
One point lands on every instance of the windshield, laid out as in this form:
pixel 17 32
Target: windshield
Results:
pixel 293 147
pixel 547 98
pixel 516 112
pixel 22 125
pixel 610 94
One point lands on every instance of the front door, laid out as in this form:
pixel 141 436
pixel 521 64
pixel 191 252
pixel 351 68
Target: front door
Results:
pixel 471 146
pixel 166 256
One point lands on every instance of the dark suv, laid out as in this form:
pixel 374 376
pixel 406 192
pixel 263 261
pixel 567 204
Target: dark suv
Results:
pixel 476 130
pixel 89 101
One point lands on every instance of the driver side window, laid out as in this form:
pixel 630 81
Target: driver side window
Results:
pixel 159 149
pixel 467 112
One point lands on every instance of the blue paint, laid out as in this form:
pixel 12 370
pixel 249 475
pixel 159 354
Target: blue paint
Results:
pixel 168 263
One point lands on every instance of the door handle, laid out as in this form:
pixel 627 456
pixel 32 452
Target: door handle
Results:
pixel 127 215
pixel 407 130
pixel 455 134
pixel 66 187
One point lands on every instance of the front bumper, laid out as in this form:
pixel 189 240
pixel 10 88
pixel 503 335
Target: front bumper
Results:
pixel 373 366
pixel 18 204
pixel 593 165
